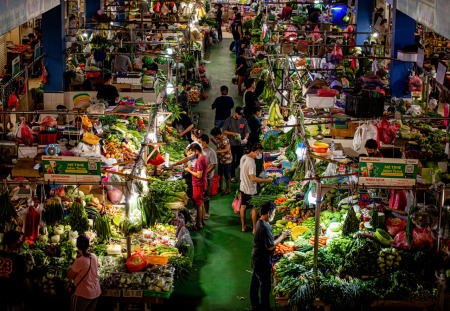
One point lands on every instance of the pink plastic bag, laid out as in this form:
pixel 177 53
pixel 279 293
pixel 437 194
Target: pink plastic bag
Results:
pixel 236 205
pixel 386 132
pixel 327 92
pixel 400 241
pixel 337 52
pixel 290 35
pixel 13 101
pixel 398 200
pixel 316 34
pixel 394 225
pixel 48 121
pixel 415 84
pixel 422 238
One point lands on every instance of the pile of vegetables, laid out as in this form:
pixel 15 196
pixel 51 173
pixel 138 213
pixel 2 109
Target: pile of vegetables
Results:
pixel 78 217
pixel 270 143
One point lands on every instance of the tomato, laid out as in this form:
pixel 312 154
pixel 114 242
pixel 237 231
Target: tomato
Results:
pixel 140 122
pixel 142 125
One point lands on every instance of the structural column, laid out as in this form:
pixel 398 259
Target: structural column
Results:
pixel 364 17
pixel 403 30
pixel 53 41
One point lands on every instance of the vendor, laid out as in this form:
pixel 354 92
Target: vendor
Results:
pixel 122 63
pixel 248 183
pixel 263 248
pixel 183 125
pixel 108 92
pixel 372 149
pixel 255 126
pixel 183 98
pixel 250 99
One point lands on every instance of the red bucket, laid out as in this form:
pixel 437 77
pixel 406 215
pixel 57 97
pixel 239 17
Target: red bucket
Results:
pixel 215 185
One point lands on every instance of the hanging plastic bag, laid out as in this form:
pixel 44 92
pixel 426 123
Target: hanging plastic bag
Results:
pixel 394 225
pixel 422 238
pixel 164 9
pixel 398 200
pixel 24 135
pixel 157 8
pixel 400 241
pixel 48 121
pixel 185 244
pixel 386 132
pixel 337 52
pixel 415 84
pixel 44 75
pixel 358 138
pixel 236 205
pixel 290 35
pixel 316 34
pixel 13 101
pixel 137 262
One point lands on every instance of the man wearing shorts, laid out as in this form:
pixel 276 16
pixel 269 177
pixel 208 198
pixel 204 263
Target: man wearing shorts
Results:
pixel 212 163
pixel 199 181
pixel 248 183
pixel 225 158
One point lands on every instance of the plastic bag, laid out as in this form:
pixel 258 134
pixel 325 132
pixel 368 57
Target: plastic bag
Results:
pixel 394 225
pixel 422 238
pixel 97 108
pixel 48 121
pixel 24 135
pixel 359 134
pixel 13 101
pixel 331 170
pixel 386 132
pixel 337 52
pixel 327 92
pixel 415 84
pixel 289 34
pixel 236 205
pixel 400 241
pixel 398 200
pixel 185 244
pixel 316 34
pixel 137 262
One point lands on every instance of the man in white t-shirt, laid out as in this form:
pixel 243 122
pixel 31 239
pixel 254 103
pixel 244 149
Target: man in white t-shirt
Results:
pixel 248 183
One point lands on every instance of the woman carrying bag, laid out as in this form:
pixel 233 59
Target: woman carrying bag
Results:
pixel 84 275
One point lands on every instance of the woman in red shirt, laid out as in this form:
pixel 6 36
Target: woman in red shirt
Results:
pixel 199 181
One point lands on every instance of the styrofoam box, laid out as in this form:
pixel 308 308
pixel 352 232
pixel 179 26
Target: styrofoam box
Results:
pixel 315 101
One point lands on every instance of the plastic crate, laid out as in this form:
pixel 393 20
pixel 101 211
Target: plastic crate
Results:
pixel 157 260
pixel 364 107
pixel 111 292
pixel 164 295
pixel 133 293
pixel 268 172
pixel 47 138
pixel 340 126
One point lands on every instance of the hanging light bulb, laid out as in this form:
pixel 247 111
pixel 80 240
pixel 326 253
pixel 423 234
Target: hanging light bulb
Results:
pixel 169 50
pixel 85 34
pixel 151 137
pixel 169 88
pixel 161 118
pixel 375 34
pixel 190 5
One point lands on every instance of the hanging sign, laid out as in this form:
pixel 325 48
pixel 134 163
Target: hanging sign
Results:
pixel 420 57
pixel 71 169
pixel 440 73
pixel 16 66
pixel 37 50
pixel 387 172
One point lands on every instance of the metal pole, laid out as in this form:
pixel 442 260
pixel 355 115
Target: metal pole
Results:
pixel 441 206
pixel 426 96
pixel 26 92
pixel 127 214
pixel 317 224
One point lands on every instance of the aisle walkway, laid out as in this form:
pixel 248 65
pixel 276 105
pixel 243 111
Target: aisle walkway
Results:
pixel 221 275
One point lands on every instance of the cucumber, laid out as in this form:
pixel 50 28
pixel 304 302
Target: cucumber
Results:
pixel 305 249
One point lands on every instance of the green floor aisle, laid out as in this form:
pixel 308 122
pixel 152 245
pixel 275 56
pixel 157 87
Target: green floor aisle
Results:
pixel 221 273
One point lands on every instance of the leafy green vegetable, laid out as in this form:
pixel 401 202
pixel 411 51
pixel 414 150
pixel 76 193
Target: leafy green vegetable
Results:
pixel 270 143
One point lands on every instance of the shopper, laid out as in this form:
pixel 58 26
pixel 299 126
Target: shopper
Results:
pixel 73 25
pixel 372 149
pixel 263 248
pixel 14 284
pixel 84 275
pixel 122 63
pixel 378 15
pixel 255 126
pixel 219 21
pixel 199 181
pixel 183 125
pixel 250 99
pixel 236 29
pixel 225 159
pixel 237 130
pixel 248 183
pixel 241 70
pixel 212 163
pixel 108 92
pixel 223 105
pixel 183 98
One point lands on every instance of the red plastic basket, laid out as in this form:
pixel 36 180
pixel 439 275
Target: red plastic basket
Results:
pixel 45 139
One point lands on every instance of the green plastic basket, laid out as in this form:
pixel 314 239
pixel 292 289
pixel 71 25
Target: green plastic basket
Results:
pixel 164 295
pixel 340 126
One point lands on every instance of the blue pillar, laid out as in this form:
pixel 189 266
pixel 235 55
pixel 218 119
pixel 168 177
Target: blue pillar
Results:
pixel 364 17
pixel 53 42
pixel 92 6
pixel 403 30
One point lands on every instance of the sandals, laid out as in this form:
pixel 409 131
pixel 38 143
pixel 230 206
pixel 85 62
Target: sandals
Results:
pixel 247 229
pixel 233 180
pixel 225 193
pixel 207 217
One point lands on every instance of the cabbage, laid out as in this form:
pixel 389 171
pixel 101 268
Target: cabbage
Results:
pixel 73 235
pixel 43 238
pixel 56 238
pixel 59 231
